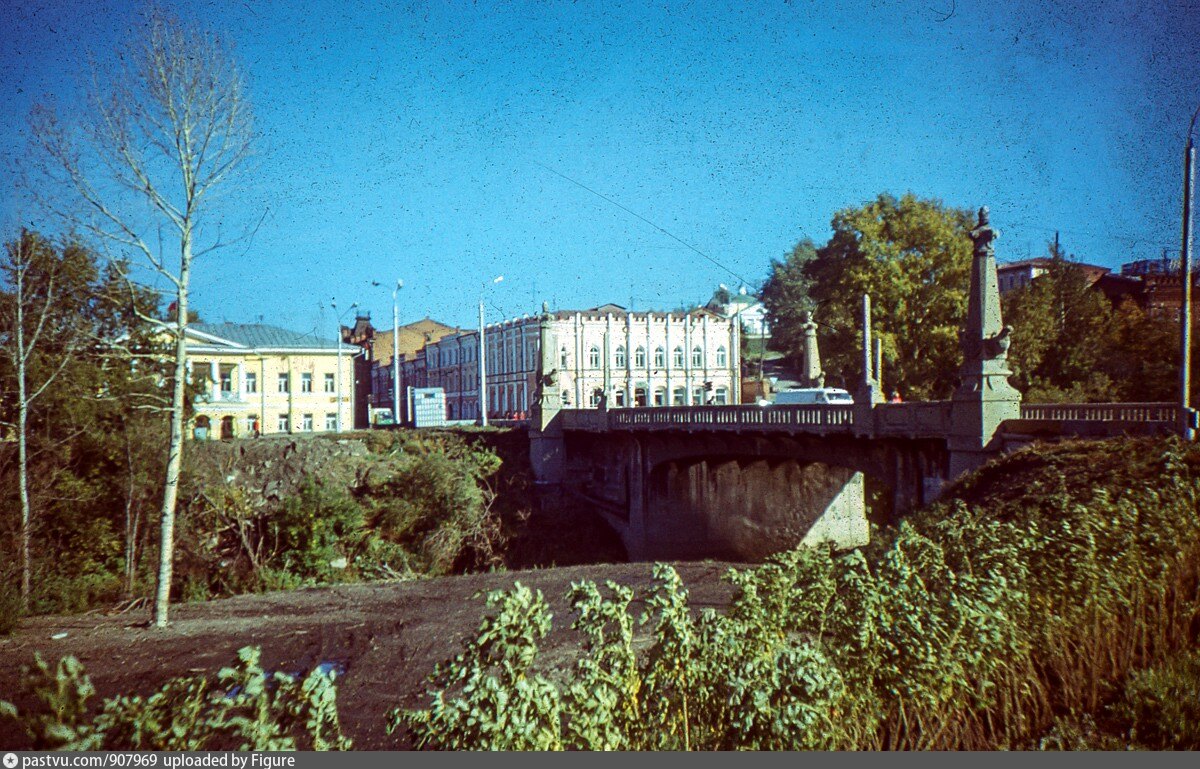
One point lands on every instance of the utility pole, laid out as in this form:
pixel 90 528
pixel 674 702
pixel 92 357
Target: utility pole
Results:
pixel 483 404
pixel 483 399
pixel 396 353
pixel 1185 268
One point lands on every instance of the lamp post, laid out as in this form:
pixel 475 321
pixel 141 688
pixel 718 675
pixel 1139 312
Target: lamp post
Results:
pixel 333 304
pixel 1185 268
pixel 483 404
pixel 396 353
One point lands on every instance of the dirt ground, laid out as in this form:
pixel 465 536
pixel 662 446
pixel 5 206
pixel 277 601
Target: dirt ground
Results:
pixel 387 637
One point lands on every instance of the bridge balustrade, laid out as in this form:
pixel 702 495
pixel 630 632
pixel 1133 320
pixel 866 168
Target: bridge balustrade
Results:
pixel 808 418
pixel 1166 413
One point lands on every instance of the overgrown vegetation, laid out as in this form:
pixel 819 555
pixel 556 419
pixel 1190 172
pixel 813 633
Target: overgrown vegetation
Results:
pixel 1027 596
pixel 419 505
pixel 245 708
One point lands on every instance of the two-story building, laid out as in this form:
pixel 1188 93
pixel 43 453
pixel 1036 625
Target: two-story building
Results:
pixel 254 379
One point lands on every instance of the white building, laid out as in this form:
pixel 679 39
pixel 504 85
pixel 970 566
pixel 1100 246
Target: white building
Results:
pixel 641 359
pixel 746 307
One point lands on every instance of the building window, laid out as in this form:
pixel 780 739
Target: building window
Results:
pixel 660 396
pixel 331 421
pixel 331 383
pixel 227 381
pixel 306 423
pixel 639 357
pixel 722 357
pixel 562 357
pixel 639 396
pixel 284 425
pixel 722 396
pixel 679 396
pixel 697 357
pixel 306 383
pixel 597 393
pixel 619 398
pixel 252 383
pixel 252 424
pixel 677 357
pixel 660 357
pixel 284 386
pixel 566 398
pixel 594 357
pixel 698 396
pixel 619 358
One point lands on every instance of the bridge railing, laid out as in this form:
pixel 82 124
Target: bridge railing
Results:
pixel 1101 412
pixel 814 418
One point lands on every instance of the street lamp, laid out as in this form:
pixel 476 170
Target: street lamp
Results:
pixel 483 404
pixel 396 353
pixel 333 304
pixel 1185 267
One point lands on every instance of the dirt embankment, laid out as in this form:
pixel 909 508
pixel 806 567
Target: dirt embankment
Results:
pixel 387 637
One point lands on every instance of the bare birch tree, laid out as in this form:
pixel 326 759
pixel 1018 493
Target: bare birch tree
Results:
pixel 156 140
pixel 43 292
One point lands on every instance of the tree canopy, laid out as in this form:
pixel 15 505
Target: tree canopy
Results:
pixel 913 257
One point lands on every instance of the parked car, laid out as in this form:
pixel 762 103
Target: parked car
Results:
pixel 810 395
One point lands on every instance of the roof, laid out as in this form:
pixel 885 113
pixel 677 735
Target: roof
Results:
pixel 257 336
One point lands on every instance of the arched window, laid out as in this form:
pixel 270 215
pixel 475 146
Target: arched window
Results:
pixel 677 357
pixel 639 357
pixel 679 397
pixel 594 357
pixel 722 357
pixel 697 357
pixel 660 396
pixel 722 396
pixel 619 357
pixel 660 357
pixel 563 360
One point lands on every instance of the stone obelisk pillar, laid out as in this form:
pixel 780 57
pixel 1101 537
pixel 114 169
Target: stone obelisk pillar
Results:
pixel 546 449
pixel 984 398
pixel 813 376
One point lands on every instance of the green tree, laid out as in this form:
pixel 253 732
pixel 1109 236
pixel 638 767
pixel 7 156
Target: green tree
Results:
pixel 1062 335
pixel 78 370
pixel 785 297
pixel 913 256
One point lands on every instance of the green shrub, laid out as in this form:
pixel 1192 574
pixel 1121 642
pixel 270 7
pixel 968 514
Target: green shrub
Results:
pixel 1160 706
pixel 244 709
pixel 438 507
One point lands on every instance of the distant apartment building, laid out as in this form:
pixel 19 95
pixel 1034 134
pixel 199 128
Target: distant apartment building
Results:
pixel 627 359
pixel 253 379
pixel 1011 276
pixel 378 377
pixel 1155 285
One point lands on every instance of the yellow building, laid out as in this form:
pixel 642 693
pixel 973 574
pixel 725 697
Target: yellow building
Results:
pixel 255 379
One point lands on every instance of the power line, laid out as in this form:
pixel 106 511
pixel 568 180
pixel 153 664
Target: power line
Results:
pixel 607 199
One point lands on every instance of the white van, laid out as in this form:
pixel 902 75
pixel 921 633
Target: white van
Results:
pixel 809 395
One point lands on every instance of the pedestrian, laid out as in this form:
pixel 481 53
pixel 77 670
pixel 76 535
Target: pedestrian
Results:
pixel 896 396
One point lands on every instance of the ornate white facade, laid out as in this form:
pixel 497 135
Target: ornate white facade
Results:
pixel 642 359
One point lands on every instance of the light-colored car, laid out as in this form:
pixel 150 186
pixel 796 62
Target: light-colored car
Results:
pixel 810 395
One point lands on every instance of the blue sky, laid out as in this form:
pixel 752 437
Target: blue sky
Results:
pixel 425 141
